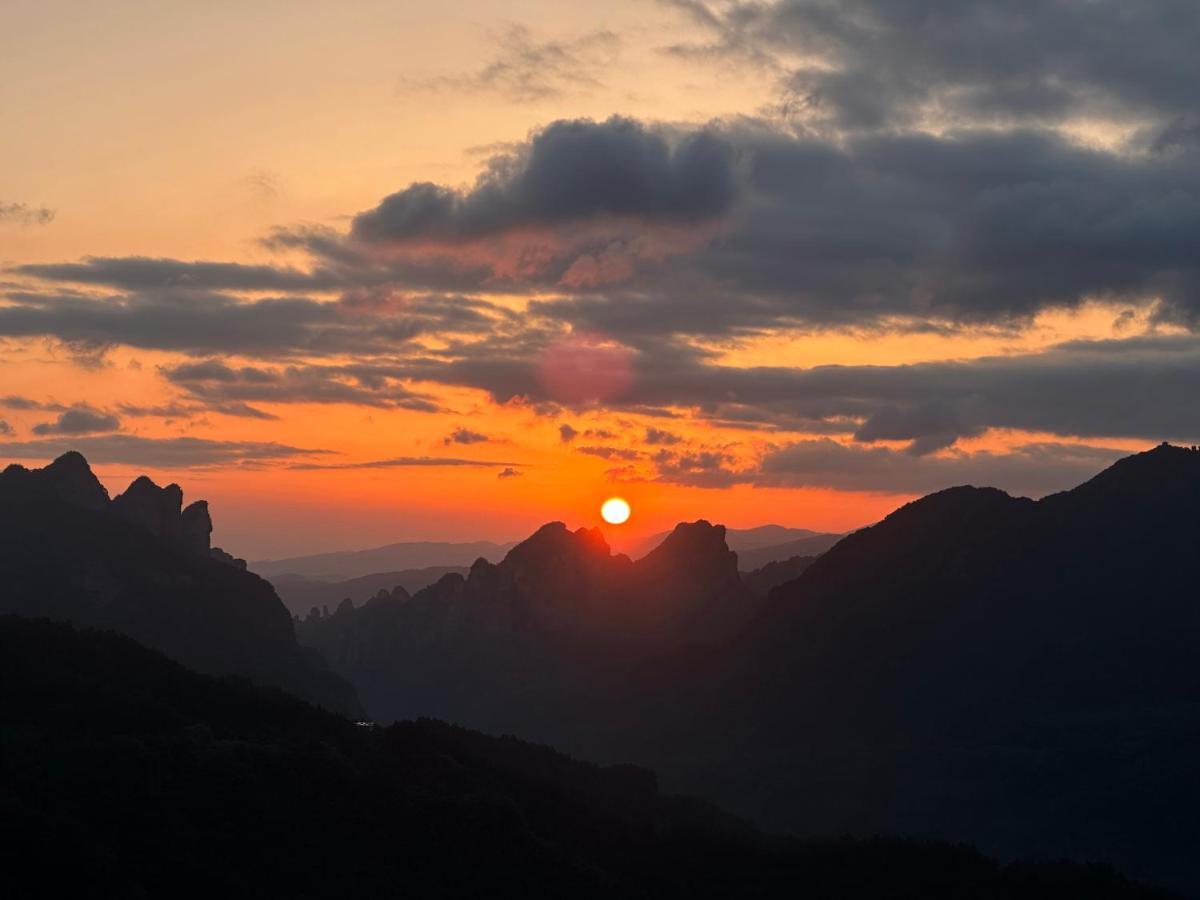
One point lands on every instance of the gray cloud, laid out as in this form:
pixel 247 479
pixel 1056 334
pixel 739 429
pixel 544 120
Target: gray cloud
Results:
pixel 147 273
pixel 164 453
pixel 508 473
pixel 23 214
pixel 527 70
pixel 462 435
pixel 609 452
pixel 656 436
pixel 80 420
pixel 566 433
pixel 5 428
pixel 218 384
pixel 864 64
pixel 404 462
pixel 570 171
pixel 1032 469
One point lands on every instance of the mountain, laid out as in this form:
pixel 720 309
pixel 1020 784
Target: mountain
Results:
pixel 515 646
pixel 762 581
pixel 753 558
pixel 301 595
pixel 744 539
pixel 126 775
pixel 141 564
pixel 349 564
pixel 1019 674
pixel 1013 673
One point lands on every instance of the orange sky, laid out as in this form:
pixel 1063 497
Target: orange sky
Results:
pixel 189 132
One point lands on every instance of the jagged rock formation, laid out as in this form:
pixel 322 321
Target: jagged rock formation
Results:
pixel 140 564
pixel 512 645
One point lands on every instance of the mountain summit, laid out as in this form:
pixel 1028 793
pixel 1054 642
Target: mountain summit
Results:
pixel 141 564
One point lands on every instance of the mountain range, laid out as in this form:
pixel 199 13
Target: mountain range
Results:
pixel 1015 673
pixel 140 563
pixel 349 564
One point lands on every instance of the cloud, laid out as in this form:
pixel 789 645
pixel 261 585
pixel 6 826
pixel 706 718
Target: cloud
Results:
pixel 883 64
pixel 527 70
pixel 566 433
pixel 157 453
pixel 462 435
pixel 1033 469
pixel 570 171
pixel 22 214
pixel 80 420
pixel 5 428
pixel 147 273
pixel 404 462
pixel 508 473
pixel 609 452
pixel 218 384
pixel 656 436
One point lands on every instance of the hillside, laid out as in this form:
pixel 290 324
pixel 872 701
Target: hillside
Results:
pixel 127 775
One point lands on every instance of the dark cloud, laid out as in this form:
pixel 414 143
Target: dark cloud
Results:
pixel 404 462
pixel 1032 469
pixel 196 322
pixel 80 420
pixel 566 433
pixel 218 384
pixel 872 64
pixel 528 70
pixel 146 273
pixel 462 435
pixel 157 453
pixel 656 436
pixel 508 473
pixel 13 401
pixel 5 428
pixel 570 171
pixel 609 452
pixel 23 214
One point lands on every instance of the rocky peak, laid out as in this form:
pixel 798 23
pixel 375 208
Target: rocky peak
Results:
pixel 554 544
pixel 694 547
pixel 152 508
pixel 195 528
pixel 71 479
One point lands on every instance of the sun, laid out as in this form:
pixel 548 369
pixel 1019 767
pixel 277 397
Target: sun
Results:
pixel 615 511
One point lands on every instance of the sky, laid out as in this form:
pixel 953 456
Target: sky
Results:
pixel 367 272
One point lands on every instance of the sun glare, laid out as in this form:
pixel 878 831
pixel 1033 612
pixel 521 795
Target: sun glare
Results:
pixel 615 511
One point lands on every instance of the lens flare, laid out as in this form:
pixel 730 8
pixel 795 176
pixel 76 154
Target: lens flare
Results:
pixel 615 511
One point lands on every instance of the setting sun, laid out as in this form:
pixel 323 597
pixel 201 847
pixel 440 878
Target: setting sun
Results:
pixel 615 511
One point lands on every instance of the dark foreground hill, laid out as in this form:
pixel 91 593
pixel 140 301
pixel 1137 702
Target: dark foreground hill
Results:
pixel 141 564
pixel 126 775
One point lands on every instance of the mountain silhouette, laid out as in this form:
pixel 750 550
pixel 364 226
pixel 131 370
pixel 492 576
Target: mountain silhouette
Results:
pixel 514 645
pixel 141 564
pixel 301 595
pixel 1019 674
pixel 348 564
pixel 127 775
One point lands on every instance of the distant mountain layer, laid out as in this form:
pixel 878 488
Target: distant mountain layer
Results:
pixel 753 558
pixel 350 564
pixel 125 775
pixel 301 595
pixel 744 539
pixel 141 564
